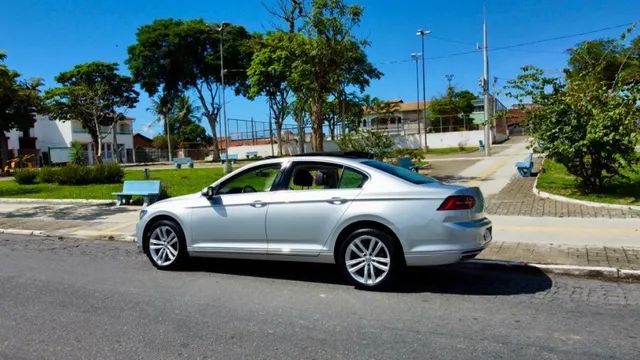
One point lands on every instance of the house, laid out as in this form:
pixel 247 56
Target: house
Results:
pixel 141 141
pixel 50 140
pixel 405 118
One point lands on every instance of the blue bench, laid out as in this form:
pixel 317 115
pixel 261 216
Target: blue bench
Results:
pixel 148 189
pixel 405 162
pixel 481 145
pixel 525 168
pixel 252 154
pixel 232 157
pixel 183 161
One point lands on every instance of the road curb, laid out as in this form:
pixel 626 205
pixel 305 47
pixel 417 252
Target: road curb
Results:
pixel 574 270
pixel 57 201
pixel 23 232
pixel 123 238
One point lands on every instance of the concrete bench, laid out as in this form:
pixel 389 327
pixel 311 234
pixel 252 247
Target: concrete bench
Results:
pixel 183 161
pixel 251 154
pixel 232 157
pixel 148 189
pixel 405 162
pixel 525 168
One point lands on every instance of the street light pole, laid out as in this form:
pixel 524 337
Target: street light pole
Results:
pixel 416 57
pixel 485 85
pixel 227 163
pixel 422 33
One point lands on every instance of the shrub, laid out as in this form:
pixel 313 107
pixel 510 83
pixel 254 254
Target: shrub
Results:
pixel 76 153
pixel 82 175
pixel 379 144
pixel 26 176
pixel 49 175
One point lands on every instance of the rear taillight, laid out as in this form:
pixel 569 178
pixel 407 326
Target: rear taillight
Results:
pixel 458 202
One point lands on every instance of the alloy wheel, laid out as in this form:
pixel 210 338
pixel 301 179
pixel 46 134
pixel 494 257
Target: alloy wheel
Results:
pixel 163 245
pixel 367 260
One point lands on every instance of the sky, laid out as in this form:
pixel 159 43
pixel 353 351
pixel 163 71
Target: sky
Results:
pixel 43 38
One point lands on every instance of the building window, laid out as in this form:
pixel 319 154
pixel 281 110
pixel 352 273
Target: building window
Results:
pixel 124 128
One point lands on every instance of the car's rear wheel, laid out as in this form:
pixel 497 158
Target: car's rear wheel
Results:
pixel 165 245
pixel 368 259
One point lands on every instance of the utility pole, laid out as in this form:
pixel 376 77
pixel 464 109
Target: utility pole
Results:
pixel 416 57
pixel 422 33
pixel 485 84
pixel 227 163
pixel 449 77
pixel 271 128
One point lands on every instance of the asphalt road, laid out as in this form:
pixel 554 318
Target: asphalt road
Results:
pixel 69 299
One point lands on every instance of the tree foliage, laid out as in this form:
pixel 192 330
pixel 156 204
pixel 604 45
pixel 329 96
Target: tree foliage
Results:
pixel 19 101
pixel 95 95
pixel 377 143
pixel 454 105
pixel 176 56
pixel 588 120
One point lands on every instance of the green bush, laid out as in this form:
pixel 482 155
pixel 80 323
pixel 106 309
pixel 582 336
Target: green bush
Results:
pixel 414 154
pixel 376 143
pixel 82 175
pixel 49 175
pixel 26 176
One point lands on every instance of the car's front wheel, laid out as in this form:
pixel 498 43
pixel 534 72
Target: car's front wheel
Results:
pixel 368 258
pixel 165 245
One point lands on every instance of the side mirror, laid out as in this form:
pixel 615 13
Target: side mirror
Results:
pixel 209 192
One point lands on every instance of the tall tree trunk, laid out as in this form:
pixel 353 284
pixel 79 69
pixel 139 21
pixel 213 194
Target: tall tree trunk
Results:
pixel 317 143
pixel 279 136
pixel 116 150
pixel 301 135
pixel 97 146
pixel 211 118
pixel 4 149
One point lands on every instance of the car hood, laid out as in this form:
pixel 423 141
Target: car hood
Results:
pixel 177 198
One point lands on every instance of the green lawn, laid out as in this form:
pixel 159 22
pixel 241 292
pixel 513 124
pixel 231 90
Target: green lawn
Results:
pixel 176 181
pixel 452 150
pixel 556 180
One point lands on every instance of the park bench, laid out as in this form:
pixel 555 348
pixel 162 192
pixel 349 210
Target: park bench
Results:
pixel 481 145
pixel 525 168
pixel 405 162
pixel 148 189
pixel 232 157
pixel 252 154
pixel 183 161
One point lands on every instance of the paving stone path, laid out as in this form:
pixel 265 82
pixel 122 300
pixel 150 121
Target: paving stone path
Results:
pixel 518 199
pixel 618 257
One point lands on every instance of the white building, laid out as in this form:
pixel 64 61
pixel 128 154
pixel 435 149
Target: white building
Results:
pixel 52 137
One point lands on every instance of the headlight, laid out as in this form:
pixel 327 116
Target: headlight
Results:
pixel 142 214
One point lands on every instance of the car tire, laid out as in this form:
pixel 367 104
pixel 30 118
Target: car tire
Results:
pixel 369 259
pixel 165 245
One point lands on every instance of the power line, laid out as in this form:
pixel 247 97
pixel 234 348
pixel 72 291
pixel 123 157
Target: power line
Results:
pixel 506 47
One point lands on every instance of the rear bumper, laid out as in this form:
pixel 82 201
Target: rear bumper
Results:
pixel 466 241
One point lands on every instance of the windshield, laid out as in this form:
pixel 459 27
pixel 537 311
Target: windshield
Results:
pixel 400 172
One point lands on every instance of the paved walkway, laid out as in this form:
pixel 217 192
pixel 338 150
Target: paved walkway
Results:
pixel 517 198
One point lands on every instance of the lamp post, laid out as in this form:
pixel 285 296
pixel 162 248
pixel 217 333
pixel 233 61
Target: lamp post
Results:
pixel 422 33
pixel 416 57
pixel 227 163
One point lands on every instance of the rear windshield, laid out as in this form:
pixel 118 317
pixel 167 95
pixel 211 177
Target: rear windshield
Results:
pixel 400 172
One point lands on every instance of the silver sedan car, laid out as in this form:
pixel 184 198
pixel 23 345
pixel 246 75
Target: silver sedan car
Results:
pixel 368 217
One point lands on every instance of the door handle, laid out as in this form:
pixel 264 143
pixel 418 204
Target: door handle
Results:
pixel 337 200
pixel 258 204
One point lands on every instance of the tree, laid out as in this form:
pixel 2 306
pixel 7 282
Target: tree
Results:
pixel 330 58
pixel 269 73
pixel 175 56
pixel 95 95
pixel 19 101
pixel 454 105
pixel 586 121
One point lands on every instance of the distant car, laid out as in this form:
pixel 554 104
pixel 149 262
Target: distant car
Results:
pixel 369 217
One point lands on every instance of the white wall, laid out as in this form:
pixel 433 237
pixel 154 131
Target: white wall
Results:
pixel 287 149
pixel 440 140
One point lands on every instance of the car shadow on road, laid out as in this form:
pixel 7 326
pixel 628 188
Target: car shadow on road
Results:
pixel 460 279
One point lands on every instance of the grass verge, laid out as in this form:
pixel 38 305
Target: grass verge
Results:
pixel 176 181
pixel 625 190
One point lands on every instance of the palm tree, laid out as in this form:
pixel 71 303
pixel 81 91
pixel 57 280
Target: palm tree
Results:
pixel 162 106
